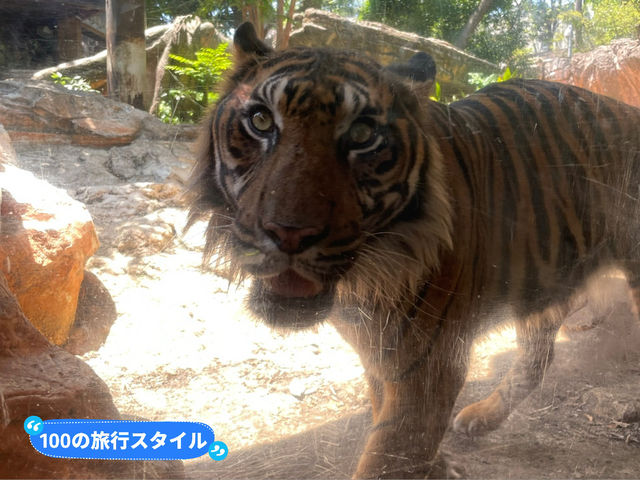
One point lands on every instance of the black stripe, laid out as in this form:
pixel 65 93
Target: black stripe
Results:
pixel 568 253
pixel 510 191
pixel 463 167
pixel 269 88
pixel 547 123
pixel 575 124
pixel 229 131
pixel 527 163
pixel 392 422
pixel 371 68
pixel 371 111
pixel 302 57
pixel 531 290
pixel 508 224
pixel 290 90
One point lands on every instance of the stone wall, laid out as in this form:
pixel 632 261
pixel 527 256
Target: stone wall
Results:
pixel 389 45
pixel 612 70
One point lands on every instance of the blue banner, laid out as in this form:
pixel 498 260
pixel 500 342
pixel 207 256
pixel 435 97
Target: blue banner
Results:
pixel 123 439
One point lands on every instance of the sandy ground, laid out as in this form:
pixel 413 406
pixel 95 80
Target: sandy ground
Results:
pixel 295 406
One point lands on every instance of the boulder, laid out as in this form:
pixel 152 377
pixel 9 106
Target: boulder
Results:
pixel 7 153
pixel 612 70
pixel 37 378
pixel 43 112
pixel 137 219
pixel 145 161
pixel 45 240
pixel 388 45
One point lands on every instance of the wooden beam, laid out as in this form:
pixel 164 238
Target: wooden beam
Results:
pixel 69 39
pixel 126 56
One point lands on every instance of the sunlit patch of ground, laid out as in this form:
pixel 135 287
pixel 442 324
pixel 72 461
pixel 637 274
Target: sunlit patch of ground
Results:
pixel 501 340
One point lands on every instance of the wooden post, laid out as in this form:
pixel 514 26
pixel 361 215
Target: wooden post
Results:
pixel 69 39
pixel 126 57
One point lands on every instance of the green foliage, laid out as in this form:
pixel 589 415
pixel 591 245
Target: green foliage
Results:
pixel 544 23
pixel 600 22
pixel 227 14
pixel 502 34
pixel 346 8
pixel 164 11
pixel 207 68
pixel 480 80
pixel 499 35
pixel 612 19
pixel 195 81
pixel 76 83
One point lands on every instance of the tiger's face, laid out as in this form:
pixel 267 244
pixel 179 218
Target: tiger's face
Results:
pixel 308 155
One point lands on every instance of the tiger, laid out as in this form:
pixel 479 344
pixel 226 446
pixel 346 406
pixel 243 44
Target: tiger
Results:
pixel 348 196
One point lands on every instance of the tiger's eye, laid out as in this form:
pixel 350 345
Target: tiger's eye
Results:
pixel 360 132
pixel 262 121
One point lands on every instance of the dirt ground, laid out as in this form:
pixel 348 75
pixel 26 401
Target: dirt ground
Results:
pixel 183 348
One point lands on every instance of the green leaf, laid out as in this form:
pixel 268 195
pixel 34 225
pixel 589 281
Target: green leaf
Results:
pixel 505 76
pixel 437 94
pixel 196 80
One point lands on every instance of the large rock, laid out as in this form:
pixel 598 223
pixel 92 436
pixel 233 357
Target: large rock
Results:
pixel 138 219
pixel 48 113
pixel 612 70
pixel 37 378
pixel 388 45
pixel 7 153
pixel 45 240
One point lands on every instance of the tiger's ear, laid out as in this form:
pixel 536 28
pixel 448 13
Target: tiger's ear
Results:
pixel 419 72
pixel 247 44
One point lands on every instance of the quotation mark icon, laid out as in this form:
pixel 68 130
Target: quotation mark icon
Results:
pixel 218 451
pixel 33 425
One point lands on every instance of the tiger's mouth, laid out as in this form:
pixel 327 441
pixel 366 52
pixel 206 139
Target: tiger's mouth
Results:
pixel 290 301
pixel 290 284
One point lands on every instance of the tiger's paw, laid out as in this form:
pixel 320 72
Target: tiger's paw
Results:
pixel 481 417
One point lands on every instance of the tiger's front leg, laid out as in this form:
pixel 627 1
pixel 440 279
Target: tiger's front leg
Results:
pixel 413 416
pixel 536 337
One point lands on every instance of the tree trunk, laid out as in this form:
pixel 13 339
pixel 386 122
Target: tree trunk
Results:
pixel 126 57
pixel 287 30
pixel 578 27
pixel 251 13
pixel 280 24
pixel 472 23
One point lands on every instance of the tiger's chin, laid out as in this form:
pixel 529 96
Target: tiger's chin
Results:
pixel 290 302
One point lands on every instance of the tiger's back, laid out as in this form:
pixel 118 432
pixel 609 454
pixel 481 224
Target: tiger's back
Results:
pixel 546 178
pixel 347 194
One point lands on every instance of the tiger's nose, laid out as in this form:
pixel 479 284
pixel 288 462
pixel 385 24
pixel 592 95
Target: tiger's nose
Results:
pixel 293 239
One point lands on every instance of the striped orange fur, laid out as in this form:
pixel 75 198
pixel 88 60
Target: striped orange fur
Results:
pixel 346 194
